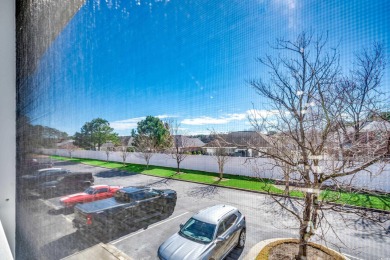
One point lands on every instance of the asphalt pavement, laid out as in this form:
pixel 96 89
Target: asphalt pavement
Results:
pixel 50 235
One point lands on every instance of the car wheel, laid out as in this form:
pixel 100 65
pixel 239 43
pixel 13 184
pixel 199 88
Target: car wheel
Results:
pixel 241 239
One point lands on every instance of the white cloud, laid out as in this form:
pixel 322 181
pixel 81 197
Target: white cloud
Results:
pixel 200 132
pixel 258 114
pixel 126 124
pixel 237 116
pixel 206 120
pixel 131 123
pixel 165 116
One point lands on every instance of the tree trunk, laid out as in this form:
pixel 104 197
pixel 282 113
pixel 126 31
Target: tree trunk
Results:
pixel 220 171
pixel 287 181
pixel 177 157
pixel 304 234
pixel 178 167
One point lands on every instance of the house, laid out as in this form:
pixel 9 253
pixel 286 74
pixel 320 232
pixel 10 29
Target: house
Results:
pixel 187 144
pixel 240 143
pixel 373 140
pixel 107 146
pixel 124 141
pixel 128 142
pixel 65 144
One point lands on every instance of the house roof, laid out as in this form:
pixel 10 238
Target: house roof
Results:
pixel 108 144
pixel 372 126
pixel 65 142
pixel 186 142
pixel 126 140
pixel 240 139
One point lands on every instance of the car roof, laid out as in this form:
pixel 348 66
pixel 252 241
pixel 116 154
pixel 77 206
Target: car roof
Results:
pixel 99 186
pixel 214 214
pixel 48 169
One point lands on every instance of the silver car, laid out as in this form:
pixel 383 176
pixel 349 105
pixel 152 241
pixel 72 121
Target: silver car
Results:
pixel 210 234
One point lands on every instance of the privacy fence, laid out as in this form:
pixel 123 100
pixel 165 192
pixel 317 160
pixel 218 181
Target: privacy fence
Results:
pixel 245 166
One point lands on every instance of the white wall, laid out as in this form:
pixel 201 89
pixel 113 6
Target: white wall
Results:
pixel 7 119
pixel 236 165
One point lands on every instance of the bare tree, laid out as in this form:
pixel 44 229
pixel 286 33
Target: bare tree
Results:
pixel 179 143
pixel 144 148
pixel 222 157
pixel 362 95
pixel 316 115
pixel 70 148
pixel 124 154
pixel 108 152
pixel 221 154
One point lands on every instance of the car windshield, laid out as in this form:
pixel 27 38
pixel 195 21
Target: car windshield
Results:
pixel 198 231
pixel 89 191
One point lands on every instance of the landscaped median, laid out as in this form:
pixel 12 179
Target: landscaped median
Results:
pixel 287 248
pixel 381 202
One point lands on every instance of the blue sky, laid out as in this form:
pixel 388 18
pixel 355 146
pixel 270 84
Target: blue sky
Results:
pixel 188 60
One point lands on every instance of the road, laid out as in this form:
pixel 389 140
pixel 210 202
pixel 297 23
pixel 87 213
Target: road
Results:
pixel 51 235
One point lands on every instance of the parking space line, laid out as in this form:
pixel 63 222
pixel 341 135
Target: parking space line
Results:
pixel 51 205
pixel 67 218
pixel 139 232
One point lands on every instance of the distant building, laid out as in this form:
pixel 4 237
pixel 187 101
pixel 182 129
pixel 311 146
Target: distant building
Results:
pixel 187 144
pixel 373 140
pixel 241 143
pixel 124 141
pixel 65 144
pixel 107 146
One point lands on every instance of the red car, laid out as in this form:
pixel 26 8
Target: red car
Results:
pixel 96 192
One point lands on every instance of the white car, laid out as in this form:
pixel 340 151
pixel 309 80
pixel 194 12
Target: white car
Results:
pixel 212 233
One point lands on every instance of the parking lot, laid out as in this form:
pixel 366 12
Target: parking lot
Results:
pixel 55 236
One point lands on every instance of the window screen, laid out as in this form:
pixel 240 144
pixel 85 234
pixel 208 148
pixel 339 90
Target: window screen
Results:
pixel 279 109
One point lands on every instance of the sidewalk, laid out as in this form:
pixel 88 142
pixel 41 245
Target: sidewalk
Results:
pixel 100 252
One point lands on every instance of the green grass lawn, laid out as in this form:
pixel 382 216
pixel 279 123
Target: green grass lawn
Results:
pixel 357 199
pixel 236 181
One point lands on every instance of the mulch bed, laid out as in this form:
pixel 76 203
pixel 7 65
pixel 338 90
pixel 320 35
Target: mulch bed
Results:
pixel 288 251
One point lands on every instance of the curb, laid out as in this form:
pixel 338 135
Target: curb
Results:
pixel 256 249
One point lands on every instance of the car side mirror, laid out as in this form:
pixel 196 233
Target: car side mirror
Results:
pixel 181 226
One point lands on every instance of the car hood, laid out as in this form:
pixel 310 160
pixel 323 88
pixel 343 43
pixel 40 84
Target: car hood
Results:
pixel 74 196
pixel 180 248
